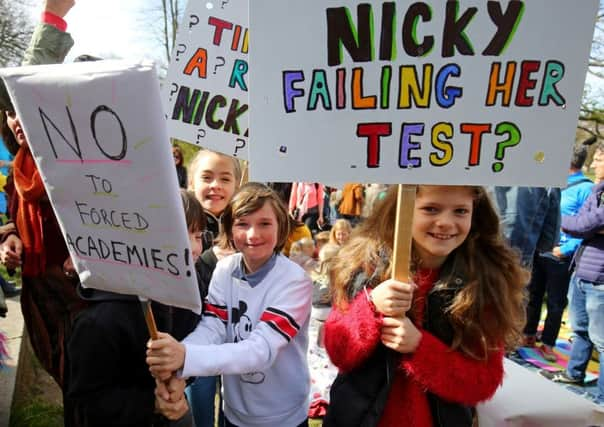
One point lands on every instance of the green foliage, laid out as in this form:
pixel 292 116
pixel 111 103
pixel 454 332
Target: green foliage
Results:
pixel 188 151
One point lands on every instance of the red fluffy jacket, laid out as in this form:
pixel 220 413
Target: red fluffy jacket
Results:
pixel 351 337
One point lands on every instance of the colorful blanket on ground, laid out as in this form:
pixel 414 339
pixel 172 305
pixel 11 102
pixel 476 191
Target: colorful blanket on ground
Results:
pixel 562 350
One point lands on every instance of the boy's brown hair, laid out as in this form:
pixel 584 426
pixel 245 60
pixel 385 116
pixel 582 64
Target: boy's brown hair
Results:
pixel 250 198
pixel 194 215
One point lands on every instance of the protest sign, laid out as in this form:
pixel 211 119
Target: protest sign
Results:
pixel 206 92
pixel 455 92
pixel 98 136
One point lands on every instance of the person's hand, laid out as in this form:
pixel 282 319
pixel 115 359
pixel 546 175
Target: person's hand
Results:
pixel 557 253
pixel 170 398
pixel 170 390
pixel 393 298
pixel 58 7
pixel 165 355
pixel 321 221
pixel 10 252
pixel 400 334
pixel 68 267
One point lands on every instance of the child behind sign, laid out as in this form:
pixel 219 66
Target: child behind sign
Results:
pixel 108 382
pixel 214 178
pixel 431 364
pixel 255 326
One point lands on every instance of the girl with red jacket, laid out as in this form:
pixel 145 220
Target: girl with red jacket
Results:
pixel 423 353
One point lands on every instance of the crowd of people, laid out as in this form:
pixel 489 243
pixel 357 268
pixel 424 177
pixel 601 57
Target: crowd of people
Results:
pixel 301 315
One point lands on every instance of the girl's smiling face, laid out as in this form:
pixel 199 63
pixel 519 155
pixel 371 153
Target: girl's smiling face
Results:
pixel 255 236
pixel 213 182
pixel 441 222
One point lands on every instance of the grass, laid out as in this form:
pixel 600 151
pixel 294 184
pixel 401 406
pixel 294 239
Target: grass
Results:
pixel 37 414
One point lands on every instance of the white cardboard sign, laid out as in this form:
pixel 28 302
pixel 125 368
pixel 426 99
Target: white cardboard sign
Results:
pixel 99 139
pixel 206 92
pixel 435 92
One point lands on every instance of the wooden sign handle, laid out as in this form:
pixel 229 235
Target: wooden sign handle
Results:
pixel 245 174
pixel 402 233
pixel 151 326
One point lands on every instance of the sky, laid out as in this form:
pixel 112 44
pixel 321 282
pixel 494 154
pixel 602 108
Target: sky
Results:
pixel 110 28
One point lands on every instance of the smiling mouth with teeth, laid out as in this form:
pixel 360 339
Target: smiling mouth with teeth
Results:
pixel 442 236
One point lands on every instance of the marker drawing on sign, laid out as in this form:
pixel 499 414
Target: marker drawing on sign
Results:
pixel 239 146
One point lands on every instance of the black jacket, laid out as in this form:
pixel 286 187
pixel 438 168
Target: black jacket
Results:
pixel 108 381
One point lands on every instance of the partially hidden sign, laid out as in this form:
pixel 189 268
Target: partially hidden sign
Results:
pixel 206 91
pixel 437 92
pixel 98 136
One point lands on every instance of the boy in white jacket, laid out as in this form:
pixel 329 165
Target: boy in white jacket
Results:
pixel 255 330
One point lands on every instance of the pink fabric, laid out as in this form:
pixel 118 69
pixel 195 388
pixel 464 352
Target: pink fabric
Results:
pixel 305 196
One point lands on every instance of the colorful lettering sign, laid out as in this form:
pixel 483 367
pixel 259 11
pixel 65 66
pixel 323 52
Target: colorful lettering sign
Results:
pixel 206 91
pixel 98 137
pixel 441 92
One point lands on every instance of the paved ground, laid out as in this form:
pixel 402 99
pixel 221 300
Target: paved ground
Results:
pixel 12 327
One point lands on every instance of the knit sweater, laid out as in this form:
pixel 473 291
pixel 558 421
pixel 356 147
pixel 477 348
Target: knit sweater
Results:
pixel 351 337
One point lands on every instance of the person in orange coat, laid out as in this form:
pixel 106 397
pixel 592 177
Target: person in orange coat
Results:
pixel 351 204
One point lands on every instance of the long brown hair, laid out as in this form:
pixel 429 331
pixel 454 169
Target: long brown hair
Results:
pixel 488 312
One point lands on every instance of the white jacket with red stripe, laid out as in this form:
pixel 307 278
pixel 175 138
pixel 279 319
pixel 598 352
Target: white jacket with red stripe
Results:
pixel 256 337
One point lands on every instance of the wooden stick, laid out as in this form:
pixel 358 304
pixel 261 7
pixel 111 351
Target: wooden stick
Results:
pixel 245 175
pixel 402 233
pixel 151 326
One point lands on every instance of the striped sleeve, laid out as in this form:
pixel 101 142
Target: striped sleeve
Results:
pixel 281 322
pixel 217 311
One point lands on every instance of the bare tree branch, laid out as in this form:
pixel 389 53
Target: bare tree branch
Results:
pixel 15 31
pixel 159 23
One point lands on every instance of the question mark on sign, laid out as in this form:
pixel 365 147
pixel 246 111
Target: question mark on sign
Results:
pixel 514 138
pixel 219 65
pixel 194 20
pixel 201 133
pixel 239 146
pixel 173 91
pixel 223 3
pixel 181 49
